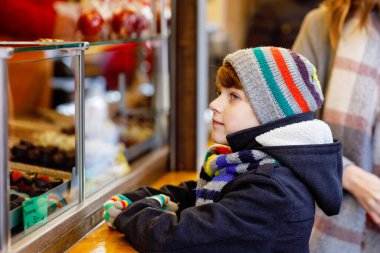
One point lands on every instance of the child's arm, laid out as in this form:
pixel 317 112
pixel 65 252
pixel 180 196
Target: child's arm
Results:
pixel 184 194
pixel 253 211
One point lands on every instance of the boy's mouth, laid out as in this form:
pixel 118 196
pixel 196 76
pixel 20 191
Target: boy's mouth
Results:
pixel 216 123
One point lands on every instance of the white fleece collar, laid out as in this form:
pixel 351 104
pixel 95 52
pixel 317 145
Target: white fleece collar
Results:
pixel 302 133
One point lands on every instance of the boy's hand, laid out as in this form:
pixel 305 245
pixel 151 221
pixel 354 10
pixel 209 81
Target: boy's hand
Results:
pixel 113 207
pixel 165 203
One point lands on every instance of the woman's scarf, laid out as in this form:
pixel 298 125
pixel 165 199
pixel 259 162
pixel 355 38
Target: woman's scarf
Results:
pixel 221 166
pixel 352 111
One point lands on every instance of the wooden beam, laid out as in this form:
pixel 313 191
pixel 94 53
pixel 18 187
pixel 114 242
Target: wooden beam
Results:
pixel 183 84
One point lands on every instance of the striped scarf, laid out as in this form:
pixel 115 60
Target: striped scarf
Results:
pixel 221 166
pixel 352 111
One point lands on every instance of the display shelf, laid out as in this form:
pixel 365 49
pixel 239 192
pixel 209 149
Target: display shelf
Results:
pixel 67 229
pixel 123 41
pixel 5 53
pixel 33 182
pixel 29 46
pixel 86 61
pixel 76 58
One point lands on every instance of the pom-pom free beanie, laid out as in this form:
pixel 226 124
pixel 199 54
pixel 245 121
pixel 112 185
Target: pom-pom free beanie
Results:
pixel 278 82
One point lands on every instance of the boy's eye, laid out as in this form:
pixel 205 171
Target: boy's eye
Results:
pixel 234 96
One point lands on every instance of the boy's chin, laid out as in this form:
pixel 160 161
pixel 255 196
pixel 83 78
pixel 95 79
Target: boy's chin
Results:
pixel 220 139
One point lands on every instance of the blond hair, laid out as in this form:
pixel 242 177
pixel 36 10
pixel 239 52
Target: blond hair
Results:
pixel 341 10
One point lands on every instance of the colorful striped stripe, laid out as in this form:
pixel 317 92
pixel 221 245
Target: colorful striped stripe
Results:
pixel 208 170
pixel 288 79
pixel 305 76
pixel 207 194
pixel 219 169
pixel 280 80
pixel 232 169
pixel 221 161
pixel 300 82
pixel 124 203
pixel 106 216
pixel 225 177
pixel 108 205
pixel 271 82
pixel 208 155
pixel 245 156
pixel 122 197
pixel 223 150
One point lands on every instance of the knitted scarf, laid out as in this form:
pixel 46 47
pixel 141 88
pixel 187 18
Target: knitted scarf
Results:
pixel 352 111
pixel 221 166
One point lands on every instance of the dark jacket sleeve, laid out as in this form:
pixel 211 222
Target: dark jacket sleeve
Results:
pixel 183 194
pixel 245 218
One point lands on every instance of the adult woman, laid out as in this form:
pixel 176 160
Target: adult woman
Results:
pixel 342 39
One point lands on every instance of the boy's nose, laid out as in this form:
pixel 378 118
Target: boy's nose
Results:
pixel 214 105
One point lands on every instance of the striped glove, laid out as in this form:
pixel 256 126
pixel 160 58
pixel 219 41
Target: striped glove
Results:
pixel 113 207
pixel 165 203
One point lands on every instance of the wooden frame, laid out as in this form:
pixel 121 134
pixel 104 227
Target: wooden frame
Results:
pixel 183 85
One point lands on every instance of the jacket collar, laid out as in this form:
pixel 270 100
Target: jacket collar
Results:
pixel 246 139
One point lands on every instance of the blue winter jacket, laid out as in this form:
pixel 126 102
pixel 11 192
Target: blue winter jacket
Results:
pixel 263 210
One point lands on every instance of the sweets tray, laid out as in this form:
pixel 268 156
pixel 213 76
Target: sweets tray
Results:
pixel 16 215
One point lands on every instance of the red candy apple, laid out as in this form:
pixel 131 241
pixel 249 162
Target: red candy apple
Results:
pixel 90 23
pixel 128 23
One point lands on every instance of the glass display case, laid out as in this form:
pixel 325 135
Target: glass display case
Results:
pixel 74 117
pixel 41 179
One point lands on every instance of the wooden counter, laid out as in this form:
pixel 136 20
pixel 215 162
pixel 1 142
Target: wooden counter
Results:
pixel 103 239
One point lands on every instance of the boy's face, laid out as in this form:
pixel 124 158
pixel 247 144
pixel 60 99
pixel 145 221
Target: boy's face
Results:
pixel 232 112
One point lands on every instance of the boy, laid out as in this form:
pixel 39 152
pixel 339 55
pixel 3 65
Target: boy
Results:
pixel 257 194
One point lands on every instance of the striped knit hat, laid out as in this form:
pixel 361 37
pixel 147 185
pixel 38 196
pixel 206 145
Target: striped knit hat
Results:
pixel 277 81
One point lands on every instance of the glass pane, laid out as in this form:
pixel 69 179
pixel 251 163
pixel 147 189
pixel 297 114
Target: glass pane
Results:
pixel 123 41
pixel 28 46
pixel 119 109
pixel 4 227
pixel 42 151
